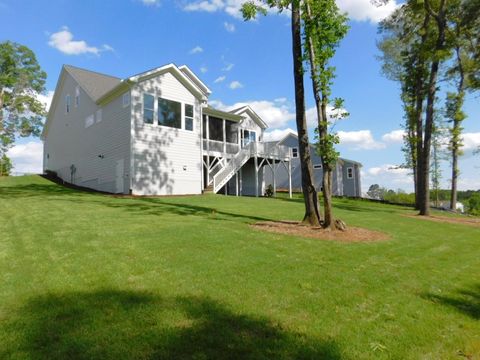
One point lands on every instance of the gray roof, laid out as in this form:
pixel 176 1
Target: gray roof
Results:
pixel 94 83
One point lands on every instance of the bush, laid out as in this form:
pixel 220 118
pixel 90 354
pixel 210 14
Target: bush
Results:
pixel 269 191
pixel 474 204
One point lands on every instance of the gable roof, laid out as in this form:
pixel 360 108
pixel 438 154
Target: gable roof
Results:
pixel 191 75
pixel 247 109
pixel 343 160
pixel 93 83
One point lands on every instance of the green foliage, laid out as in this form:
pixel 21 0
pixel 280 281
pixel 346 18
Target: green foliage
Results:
pixel 324 28
pixel 474 204
pixel 5 165
pixel 21 81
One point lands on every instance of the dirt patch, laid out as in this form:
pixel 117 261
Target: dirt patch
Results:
pixel 452 220
pixel 352 234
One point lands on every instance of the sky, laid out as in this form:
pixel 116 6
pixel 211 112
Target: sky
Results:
pixel 242 62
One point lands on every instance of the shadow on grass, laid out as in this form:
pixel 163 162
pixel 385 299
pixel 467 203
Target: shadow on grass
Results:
pixel 110 324
pixel 137 205
pixel 35 190
pixel 467 301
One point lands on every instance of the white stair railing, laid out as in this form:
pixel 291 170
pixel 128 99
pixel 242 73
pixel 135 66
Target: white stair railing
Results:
pixel 223 171
pixel 224 175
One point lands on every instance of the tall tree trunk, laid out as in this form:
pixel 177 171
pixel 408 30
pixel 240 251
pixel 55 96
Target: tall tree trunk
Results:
pixel 424 174
pixel 322 125
pixel 456 132
pixel 312 213
pixel 419 101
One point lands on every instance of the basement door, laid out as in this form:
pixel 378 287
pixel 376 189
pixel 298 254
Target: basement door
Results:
pixel 119 176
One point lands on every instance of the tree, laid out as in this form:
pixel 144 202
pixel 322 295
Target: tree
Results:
pixel 250 10
pixel 433 50
pixel 324 28
pixel 376 192
pixel 405 43
pixel 21 81
pixel 5 165
pixel 465 27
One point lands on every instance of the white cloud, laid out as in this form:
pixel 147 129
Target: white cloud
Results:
pixel 274 114
pixel 228 67
pixel 46 99
pixel 389 176
pixel 281 100
pixel 365 10
pixel 395 136
pixel 471 141
pixel 235 85
pixel 151 2
pixel 231 7
pixel 359 10
pixel 312 118
pixel 220 79
pixel 360 140
pixel 196 50
pixel 27 158
pixel 277 134
pixel 229 26
pixel 63 41
pixel 203 69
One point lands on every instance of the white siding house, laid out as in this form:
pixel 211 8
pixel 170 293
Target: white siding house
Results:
pixel 153 134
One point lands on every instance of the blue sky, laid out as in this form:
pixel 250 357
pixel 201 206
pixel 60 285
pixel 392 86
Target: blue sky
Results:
pixel 241 62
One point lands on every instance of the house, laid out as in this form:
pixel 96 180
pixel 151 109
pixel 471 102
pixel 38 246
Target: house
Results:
pixel 153 134
pixel 346 176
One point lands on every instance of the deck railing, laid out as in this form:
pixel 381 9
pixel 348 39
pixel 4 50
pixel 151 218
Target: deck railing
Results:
pixel 259 149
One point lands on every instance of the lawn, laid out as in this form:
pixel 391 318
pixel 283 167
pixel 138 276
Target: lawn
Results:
pixel 91 276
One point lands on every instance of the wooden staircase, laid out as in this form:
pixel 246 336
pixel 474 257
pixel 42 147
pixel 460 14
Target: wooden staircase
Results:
pixel 208 189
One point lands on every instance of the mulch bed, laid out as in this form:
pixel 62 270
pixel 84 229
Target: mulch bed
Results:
pixel 352 234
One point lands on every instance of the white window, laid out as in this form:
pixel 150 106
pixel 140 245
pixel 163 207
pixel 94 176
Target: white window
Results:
pixel 67 104
pixel 317 166
pixel 350 173
pixel 148 108
pixel 89 121
pixel 295 152
pixel 188 117
pixel 169 113
pixel 77 96
pixel 126 99
pixel 99 115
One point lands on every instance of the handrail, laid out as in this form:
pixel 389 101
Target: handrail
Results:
pixel 261 149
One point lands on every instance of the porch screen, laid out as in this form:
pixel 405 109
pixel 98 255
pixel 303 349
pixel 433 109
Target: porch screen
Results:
pixel 231 132
pixel 215 128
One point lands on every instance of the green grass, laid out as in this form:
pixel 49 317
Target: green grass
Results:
pixel 90 276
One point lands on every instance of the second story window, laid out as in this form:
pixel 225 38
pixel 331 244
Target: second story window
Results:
pixel 295 152
pixel 148 108
pixel 350 173
pixel 169 113
pixel 67 104
pixel 188 117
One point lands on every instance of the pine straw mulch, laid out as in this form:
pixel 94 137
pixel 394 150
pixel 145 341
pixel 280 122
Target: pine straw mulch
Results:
pixel 296 228
pixel 471 221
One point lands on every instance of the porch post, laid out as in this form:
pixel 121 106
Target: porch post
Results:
pixel 274 179
pixel 224 137
pixel 290 178
pixel 236 183
pixel 241 182
pixel 256 174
